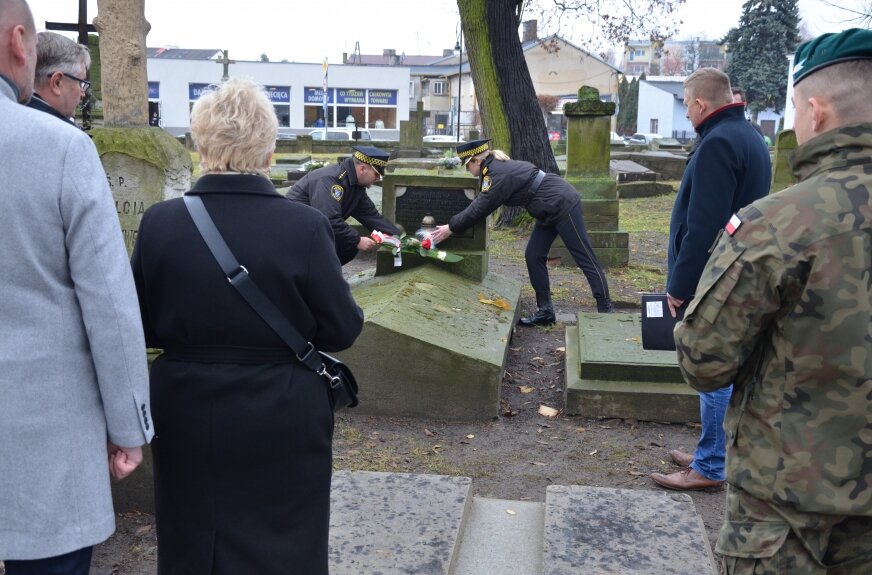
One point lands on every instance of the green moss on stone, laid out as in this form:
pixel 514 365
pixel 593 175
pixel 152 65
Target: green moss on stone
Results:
pixel 149 144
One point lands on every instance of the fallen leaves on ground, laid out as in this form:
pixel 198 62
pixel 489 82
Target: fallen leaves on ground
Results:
pixel 428 433
pixel 501 303
pixel 548 411
pixel 525 389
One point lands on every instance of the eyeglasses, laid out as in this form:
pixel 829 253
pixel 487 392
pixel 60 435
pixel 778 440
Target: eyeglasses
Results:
pixel 83 84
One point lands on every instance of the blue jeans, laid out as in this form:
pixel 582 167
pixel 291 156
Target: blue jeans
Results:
pixel 711 451
pixel 75 563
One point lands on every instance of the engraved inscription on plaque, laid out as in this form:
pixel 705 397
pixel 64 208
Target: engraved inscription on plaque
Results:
pixel 414 203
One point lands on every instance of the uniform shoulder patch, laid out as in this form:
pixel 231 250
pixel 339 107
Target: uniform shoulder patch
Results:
pixel 486 183
pixel 733 225
pixel 337 192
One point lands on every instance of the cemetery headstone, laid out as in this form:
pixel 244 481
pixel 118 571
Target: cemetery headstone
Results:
pixel 587 169
pixel 782 175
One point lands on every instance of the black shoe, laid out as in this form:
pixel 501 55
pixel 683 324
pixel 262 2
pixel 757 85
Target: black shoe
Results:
pixel 543 316
pixel 604 305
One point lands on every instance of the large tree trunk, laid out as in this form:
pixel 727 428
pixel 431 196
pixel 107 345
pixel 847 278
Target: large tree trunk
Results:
pixel 122 27
pixel 509 109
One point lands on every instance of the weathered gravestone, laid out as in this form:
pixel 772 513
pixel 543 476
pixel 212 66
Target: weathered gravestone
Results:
pixel 587 169
pixel 782 175
pixel 411 134
pixel 435 337
pixel 143 166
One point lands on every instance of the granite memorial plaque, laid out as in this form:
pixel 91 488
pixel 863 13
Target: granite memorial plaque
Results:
pixel 413 203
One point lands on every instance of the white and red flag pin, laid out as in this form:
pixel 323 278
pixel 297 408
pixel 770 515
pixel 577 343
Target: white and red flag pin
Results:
pixel 733 224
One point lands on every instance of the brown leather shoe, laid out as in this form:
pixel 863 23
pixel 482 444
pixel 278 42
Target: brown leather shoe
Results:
pixel 686 480
pixel 681 458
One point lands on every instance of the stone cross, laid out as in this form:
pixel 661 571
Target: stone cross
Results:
pixel 225 61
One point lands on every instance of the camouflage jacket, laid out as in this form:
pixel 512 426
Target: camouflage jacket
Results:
pixel 784 309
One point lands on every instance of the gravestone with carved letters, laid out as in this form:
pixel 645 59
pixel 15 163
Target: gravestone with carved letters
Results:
pixel 143 164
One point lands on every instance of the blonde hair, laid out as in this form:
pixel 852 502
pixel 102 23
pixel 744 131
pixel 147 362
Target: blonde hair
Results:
pixel 234 126
pixel 711 85
pixel 497 154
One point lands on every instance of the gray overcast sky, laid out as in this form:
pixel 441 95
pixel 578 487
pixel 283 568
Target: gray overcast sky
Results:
pixel 305 31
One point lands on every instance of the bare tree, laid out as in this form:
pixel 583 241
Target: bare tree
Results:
pixel 858 13
pixel 691 56
pixel 510 112
pixel 672 62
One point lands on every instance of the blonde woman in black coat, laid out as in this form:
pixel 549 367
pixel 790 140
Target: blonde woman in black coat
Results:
pixel 242 461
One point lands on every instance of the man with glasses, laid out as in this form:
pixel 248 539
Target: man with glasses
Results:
pixel 339 192
pixel 59 84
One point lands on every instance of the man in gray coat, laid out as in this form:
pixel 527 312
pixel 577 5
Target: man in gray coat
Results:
pixel 73 376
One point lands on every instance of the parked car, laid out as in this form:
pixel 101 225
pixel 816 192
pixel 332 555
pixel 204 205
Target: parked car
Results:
pixel 642 139
pixel 339 134
pixel 443 138
pixel 617 140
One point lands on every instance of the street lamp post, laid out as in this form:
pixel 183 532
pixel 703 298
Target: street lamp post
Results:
pixel 459 49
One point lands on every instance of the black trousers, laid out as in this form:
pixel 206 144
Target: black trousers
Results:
pixel 571 230
pixel 74 563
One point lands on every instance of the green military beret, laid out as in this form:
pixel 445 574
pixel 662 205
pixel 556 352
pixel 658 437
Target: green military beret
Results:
pixel 829 49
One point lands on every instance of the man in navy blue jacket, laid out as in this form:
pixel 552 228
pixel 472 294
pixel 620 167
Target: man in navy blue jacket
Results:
pixel 728 169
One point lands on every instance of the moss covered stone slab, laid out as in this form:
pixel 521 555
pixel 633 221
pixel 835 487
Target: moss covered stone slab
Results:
pixel 429 347
pixel 608 374
pixel 296 159
pixel 473 266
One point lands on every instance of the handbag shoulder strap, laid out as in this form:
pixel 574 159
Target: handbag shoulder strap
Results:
pixel 239 278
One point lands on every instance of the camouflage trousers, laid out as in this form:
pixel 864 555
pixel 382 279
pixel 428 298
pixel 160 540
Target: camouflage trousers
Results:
pixel 761 538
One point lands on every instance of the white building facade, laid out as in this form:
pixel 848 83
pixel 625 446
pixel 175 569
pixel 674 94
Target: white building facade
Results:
pixel 372 97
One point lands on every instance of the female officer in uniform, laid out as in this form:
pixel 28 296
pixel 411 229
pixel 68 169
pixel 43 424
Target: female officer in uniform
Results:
pixel 554 204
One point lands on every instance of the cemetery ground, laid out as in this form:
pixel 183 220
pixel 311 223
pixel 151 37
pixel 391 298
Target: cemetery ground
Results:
pixel 518 454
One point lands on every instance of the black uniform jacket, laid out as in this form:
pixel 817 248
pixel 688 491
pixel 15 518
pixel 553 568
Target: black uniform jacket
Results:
pixel 333 190
pixel 242 452
pixel 509 183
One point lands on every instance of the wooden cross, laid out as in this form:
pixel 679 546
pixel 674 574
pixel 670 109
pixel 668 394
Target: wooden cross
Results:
pixel 81 26
pixel 225 61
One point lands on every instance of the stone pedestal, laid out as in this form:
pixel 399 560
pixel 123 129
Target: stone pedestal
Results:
pixel 587 169
pixel 143 166
pixel 782 176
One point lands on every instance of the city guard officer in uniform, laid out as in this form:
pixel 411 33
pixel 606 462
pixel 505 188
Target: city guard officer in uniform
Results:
pixel 554 204
pixel 339 192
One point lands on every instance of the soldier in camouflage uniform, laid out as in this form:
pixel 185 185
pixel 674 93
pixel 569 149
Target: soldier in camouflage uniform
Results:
pixel 784 309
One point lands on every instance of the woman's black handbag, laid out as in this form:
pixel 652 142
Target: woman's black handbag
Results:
pixel 340 381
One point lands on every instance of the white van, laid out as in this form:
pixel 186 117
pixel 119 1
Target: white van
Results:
pixel 339 134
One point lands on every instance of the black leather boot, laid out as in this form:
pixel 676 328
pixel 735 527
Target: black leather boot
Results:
pixel 543 316
pixel 604 305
